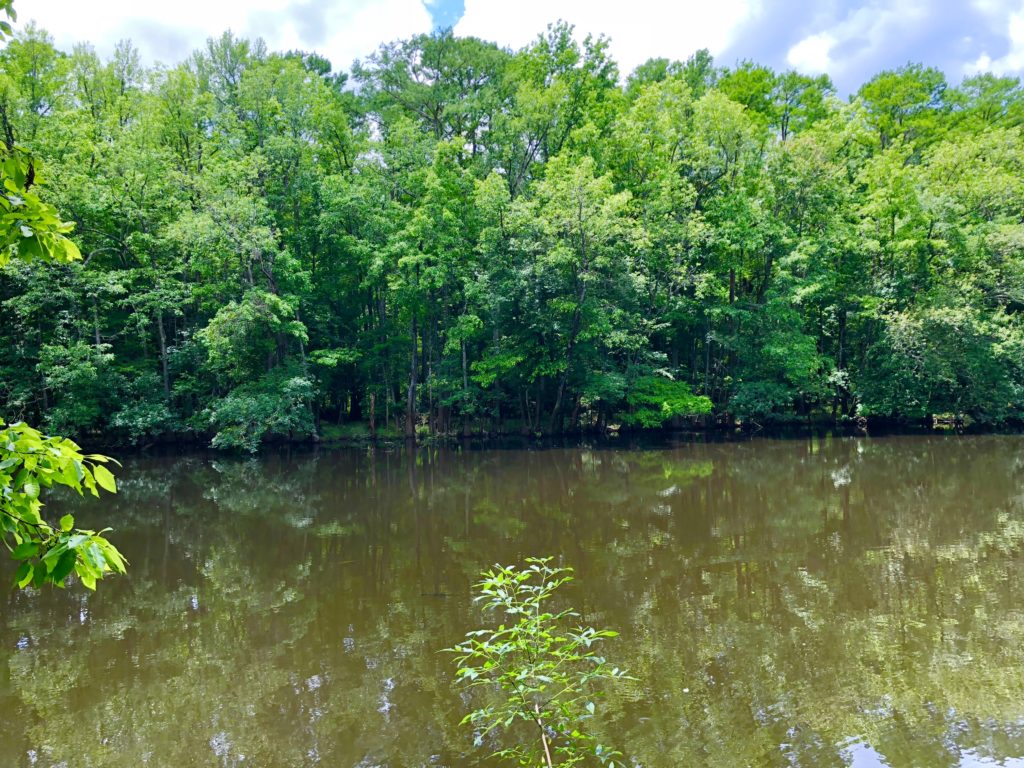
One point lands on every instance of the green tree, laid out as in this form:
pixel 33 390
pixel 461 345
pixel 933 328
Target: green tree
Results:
pixel 475 238
pixel 905 103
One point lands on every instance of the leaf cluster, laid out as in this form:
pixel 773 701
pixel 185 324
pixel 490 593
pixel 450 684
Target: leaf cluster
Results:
pixel 536 671
pixel 31 462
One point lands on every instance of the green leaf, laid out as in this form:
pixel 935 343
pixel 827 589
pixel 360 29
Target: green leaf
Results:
pixel 51 555
pixel 64 566
pixel 25 550
pixel 104 478
pixel 67 523
pixel 23 575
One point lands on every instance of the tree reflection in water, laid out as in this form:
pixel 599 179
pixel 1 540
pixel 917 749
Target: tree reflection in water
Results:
pixel 823 602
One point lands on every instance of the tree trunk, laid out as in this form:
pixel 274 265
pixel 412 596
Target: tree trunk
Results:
pixel 465 391
pixel 570 347
pixel 524 405
pixel 163 354
pixel 410 401
pixel 96 324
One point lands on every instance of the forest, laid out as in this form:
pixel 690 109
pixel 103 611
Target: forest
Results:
pixel 456 238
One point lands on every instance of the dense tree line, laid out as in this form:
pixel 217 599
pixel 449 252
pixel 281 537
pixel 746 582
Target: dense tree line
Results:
pixel 458 237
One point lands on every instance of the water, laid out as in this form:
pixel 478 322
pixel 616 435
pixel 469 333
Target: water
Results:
pixel 805 602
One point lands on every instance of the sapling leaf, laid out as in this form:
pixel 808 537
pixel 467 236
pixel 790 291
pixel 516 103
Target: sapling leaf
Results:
pixel 534 670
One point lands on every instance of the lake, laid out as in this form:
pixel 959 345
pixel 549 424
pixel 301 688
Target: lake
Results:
pixel 805 602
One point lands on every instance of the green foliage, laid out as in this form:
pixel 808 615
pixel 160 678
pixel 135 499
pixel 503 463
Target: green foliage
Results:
pixel 944 360
pixel 7 6
pixel 31 462
pixel 29 228
pixel 144 413
pixel 78 376
pixel 904 103
pixel 277 405
pixel 653 400
pixel 474 238
pixel 241 336
pixel 539 676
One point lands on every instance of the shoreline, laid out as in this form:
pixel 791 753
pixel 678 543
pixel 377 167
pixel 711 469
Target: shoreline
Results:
pixel 357 435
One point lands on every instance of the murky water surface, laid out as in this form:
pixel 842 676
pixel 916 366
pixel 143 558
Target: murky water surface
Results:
pixel 782 603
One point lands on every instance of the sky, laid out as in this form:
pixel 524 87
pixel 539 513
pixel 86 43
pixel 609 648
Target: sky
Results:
pixel 849 39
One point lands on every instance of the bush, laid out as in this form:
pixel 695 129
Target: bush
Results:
pixel 276 405
pixel 145 413
pixel 653 400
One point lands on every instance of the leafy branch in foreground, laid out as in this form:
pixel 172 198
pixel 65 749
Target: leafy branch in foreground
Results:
pixel 539 675
pixel 29 462
pixel 32 230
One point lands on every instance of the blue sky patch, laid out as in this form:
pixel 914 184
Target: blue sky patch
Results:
pixel 445 13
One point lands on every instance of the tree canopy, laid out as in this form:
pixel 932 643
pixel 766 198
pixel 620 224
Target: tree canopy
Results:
pixel 455 237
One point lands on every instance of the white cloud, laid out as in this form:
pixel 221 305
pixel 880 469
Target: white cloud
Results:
pixel 639 30
pixel 1013 60
pixel 996 8
pixel 342 30
pixel 857 39
pixel 811 55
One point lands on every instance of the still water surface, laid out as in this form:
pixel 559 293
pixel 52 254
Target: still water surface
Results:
pixel 813 602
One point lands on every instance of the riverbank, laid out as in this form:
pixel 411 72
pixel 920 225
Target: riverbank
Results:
pixel 357 434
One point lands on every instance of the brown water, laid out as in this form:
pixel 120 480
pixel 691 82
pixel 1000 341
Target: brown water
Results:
pixel 805 602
